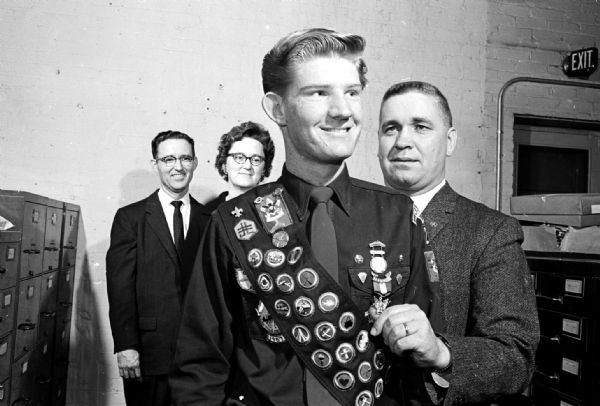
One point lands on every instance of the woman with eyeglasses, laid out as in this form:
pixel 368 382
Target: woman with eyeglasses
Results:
pixel 245 158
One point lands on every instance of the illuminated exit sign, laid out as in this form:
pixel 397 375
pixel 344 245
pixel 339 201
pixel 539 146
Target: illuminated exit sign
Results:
pixel 582 62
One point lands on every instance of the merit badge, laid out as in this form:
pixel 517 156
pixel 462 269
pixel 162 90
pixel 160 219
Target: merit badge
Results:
pixel 325 331
pixel 301 334
pixel 343 380
pixel 242 280
pixel 365 398
pixel 434 275
pixel 294 255
pixel 255 257
pixel 345 353
pixel 280 239
pixel 273 211
pixel 379 360
pixel 365 372
pixel 282 308
pixel 328 301
pixel 285 283
pixel 359 259
pixel 267 322
pixel 321 358
pixel 378 391
pixel 362 341
pixel 245 229
pixel 347 321
pixel 362 276
pixel 237 212
pixel 265 282
pixel 304 306
pixel 274 258
pixel 307 278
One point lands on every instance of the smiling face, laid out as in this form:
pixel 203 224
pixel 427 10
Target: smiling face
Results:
pixel 245 176
pixel 414 141
pixel 175 181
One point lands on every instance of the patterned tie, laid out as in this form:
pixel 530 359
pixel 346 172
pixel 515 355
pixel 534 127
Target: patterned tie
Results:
pixel 178 227
pixel 324 246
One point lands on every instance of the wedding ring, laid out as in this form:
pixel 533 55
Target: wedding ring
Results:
pixel 406 333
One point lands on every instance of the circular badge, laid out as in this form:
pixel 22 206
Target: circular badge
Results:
pixel 379 360
pixel 328 301
pixel 283 308
pixel 365 398
pixel 378 265
pixel 255 257
pixel 343 380
pixel 365 372
pixel 280 239
pixel 258 200
pixel 345 353
pixel 285 283
pixel 325 331
pixel 265 282
pixel 307 278
pixel 347 321
pixel 378 391
pixel 362 341
pixel 321 358
pixel 359 259
pixel 274 258
pixel 301 334
pixel 304 307
pixel 294 255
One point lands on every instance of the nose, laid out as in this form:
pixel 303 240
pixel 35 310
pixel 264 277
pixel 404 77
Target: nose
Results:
pixel 247 164
pixel 403 139
pixel 339 107
pixel 178 164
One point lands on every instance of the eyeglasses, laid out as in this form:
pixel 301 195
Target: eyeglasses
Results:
pixel 241 159
pixel 169 160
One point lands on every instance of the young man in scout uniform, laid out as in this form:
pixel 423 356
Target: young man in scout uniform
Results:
pixel 281 291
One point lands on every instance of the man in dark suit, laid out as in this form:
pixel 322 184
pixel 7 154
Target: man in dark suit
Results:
pixel 152 249
pixel 491 324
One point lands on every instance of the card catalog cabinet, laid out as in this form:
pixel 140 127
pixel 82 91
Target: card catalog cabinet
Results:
pixel 567 288
pixel 38 246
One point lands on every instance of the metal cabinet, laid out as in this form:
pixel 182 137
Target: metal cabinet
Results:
pixel 38 247
pixel 567 360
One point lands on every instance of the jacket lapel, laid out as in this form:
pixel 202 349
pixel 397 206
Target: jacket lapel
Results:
pixel 439 211
pixel 155 217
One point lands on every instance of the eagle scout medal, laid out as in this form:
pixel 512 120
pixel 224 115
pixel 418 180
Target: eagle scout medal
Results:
pixel 322 358
pixel 266 321
pixel 274 258
pixel 364 398
pixel 432 269
pixel 345 353
pixel 382 280
pixel 324 331
pixel 365 372
pixel 242 280
pixel 273 211
pixel 245 229
pixel 280 239
pixel 294 255
pixel 343 380
pixel 255 257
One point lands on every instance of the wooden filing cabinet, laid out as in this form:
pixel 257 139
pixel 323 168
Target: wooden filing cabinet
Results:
pixel 37 266
pixel 567 287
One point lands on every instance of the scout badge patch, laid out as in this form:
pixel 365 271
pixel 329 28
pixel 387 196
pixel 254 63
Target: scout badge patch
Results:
pixel 273 211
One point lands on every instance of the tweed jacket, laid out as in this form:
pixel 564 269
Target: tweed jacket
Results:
pixel 487 298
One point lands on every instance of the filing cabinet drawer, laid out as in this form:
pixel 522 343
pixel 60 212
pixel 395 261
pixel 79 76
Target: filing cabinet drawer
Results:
pixel 23 381
pixel 61 342
pixel 7 309
pixel 27 316
pixel 6 346
pixel 43 373
pixel 71 227
pixel 48 292
pixel 565 332
pixel 9 263
pixel 54 220
pixel 65 285
pixel 47 324
pixel 32 243
pixel 545 396
pixel 562 369
pixel 5 392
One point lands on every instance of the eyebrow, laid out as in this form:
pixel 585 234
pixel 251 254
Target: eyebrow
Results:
pixel 328 86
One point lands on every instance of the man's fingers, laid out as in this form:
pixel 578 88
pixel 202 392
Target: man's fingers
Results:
pixel 138 372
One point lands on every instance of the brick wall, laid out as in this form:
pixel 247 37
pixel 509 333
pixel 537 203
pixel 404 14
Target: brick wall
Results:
pixel 84 86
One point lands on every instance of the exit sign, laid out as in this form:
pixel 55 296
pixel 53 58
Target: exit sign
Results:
pixel 582 62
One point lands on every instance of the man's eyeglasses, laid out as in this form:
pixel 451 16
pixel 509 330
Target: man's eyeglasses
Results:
pixel 241 159
pixel 169 160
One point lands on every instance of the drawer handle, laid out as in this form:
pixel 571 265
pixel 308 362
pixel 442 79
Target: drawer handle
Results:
pixel 3 270
pixel 554 377
pixel 554 339
pixel 69 247
pixel 43 381
pixel 51 248
pixel 65 304
pixel 21 401
pixel 47 315
pixel 554 299
pixel 26 326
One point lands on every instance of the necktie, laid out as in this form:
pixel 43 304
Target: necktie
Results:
pixel 324 246
pixel 178 227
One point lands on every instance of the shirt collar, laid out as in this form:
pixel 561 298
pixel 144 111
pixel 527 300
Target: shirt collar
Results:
pixel 421 201
pixel 300 190
pixel 165 199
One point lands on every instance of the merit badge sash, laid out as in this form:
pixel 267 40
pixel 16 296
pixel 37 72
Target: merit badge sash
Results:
pixel 300 303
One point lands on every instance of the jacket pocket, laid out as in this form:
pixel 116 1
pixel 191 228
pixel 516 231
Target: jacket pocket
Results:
pixel 147 323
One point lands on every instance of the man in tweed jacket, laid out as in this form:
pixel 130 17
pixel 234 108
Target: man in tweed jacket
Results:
pixel 486 294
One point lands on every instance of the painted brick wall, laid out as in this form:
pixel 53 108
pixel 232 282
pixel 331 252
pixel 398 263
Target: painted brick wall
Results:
pixel 84 86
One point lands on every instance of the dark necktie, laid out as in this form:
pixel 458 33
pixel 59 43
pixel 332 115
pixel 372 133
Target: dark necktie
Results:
pixel 324 246
pixel 178 227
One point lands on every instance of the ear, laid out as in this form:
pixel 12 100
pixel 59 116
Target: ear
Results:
pixel 451 137
pixel 195 164
pixel 272 104
pixel 154 164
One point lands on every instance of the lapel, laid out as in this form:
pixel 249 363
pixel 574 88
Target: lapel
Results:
pixel 439 211
pixel 196 224
pixel 155 217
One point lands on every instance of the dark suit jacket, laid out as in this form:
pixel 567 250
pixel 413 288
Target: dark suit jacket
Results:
pixel 146 280
pixel 487 298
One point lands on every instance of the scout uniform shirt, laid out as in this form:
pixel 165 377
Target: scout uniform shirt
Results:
pixel 244 269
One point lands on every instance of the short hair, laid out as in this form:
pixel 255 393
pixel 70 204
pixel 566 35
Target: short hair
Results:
pixel 424 88
pixel 168 135
pixel 302 45
pixel 248 129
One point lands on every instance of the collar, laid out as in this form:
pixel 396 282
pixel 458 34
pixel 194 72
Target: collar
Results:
pixel 300 190
pixel 165 199
pixel 421 201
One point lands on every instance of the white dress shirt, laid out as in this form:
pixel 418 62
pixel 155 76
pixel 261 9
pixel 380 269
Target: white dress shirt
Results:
pixel 169 209
pixel 421 201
